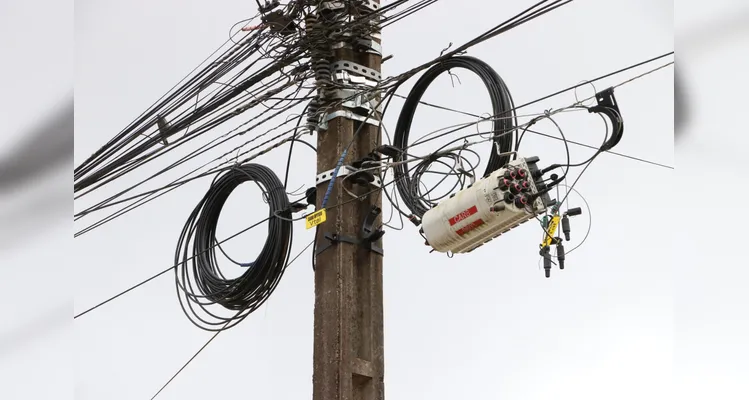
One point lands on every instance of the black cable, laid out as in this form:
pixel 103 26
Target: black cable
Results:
pixel 291 146
pixel 151 195
pixel 526 129
pixel 146 114
pixel 291 54
pixel 220 68
pixel 216 334
pixel 196 254
pixel 234 133
pixel 163 272
pixel 502 106
pixel 199 279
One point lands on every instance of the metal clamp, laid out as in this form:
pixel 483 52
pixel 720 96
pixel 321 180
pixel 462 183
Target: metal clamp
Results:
pixel 369 5
pixel 334 238
pixel 368 233
pixel 332 5
pixel 370 46
pixel 356 95
pixel 343 171
pixel 344 77
pixel 361 103
pixel 356 69
pixel 355 100
pixel 363 5
pixel 349 115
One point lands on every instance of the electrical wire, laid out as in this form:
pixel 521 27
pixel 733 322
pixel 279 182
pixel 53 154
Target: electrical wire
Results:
pixel 229 60
pixel 217 332
pixel 199 279
pixel 128 290
pixel 502 105
pixel 237 88
pixel 196 254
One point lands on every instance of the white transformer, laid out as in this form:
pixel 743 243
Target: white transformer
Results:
pixel 488 208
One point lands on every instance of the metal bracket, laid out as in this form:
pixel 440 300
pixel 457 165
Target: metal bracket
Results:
pixel 343 171
pixel 360 103
pixel 334 238
pixel 368 46
pixel 355 73
pixel 365 5
pixel 356 69
pixel 349 115
pixel 332 5
pixel 369 235
pixel 368 231
pixel 343 77
pixel 355 99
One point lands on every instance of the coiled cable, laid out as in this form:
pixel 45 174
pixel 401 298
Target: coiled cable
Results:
pixel 200 283
pixel 504 122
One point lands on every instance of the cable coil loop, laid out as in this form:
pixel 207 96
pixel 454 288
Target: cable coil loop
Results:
pixel 504 122
pixel 199 279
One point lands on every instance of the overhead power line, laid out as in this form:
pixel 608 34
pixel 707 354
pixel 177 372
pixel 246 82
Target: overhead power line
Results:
pixel 216 334
pixel 173 185
pixel 446 109
pixel 300 54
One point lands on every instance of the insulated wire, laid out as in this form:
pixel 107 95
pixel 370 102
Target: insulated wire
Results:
pixel 216 334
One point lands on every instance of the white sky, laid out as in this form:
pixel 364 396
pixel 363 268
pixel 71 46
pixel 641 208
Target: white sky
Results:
pixel 482 326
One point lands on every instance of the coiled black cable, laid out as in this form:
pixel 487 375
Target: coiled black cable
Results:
pixel 199 280
pixel 503 124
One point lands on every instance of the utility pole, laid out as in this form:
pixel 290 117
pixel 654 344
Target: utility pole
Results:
pixel 348 323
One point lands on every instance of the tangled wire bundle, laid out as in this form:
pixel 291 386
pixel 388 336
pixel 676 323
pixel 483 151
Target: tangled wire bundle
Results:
pixel 199 280
pixel 502 129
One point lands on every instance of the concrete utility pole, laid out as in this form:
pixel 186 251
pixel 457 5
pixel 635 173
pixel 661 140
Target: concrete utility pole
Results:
pixel 348 342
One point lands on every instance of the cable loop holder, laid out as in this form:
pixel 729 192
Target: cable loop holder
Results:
pixel 335 238
pixel 608 106
pixel 368 235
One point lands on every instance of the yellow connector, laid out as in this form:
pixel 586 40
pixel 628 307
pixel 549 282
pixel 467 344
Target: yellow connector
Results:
pixel 550 230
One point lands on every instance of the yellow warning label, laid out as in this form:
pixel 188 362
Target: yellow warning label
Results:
pixel 316 218
pixel 551 230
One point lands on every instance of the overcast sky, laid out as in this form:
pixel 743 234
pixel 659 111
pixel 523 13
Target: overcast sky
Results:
pixel 482 326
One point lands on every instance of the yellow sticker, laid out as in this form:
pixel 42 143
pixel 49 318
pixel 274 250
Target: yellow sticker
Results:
pixel 549 237
pixel 316 218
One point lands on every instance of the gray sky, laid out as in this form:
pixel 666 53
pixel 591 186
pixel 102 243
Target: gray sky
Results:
pixel 485 325
pixel 710 271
